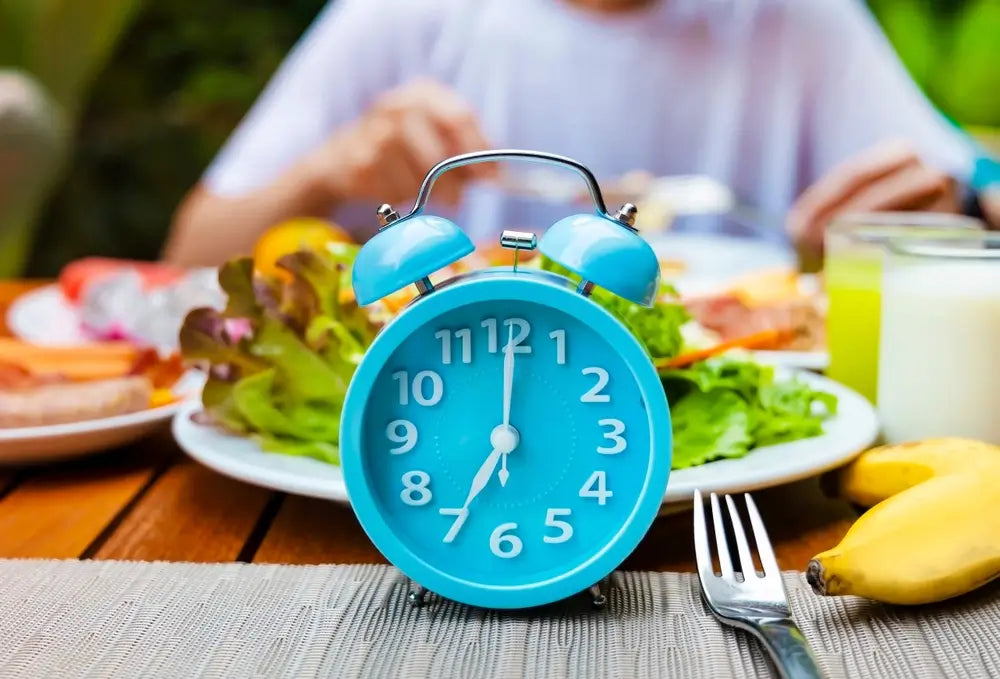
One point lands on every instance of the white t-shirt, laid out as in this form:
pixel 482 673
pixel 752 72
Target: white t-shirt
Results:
pixel 763 95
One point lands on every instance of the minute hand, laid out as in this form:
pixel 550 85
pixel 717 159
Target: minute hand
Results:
pixel 508 375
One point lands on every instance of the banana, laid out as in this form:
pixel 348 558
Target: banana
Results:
pixel 933 541
pixel 883 472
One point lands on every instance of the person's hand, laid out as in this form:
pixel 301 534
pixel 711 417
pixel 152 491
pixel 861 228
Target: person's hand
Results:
pixel 889 176
pixel 989 199
pixel 384 155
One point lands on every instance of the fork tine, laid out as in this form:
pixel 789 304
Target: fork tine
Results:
pixel 725 563
pixel 702 553
pixel 746 559
pixel 764 549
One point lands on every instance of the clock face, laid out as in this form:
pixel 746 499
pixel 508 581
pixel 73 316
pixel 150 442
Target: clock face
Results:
pixel 506 443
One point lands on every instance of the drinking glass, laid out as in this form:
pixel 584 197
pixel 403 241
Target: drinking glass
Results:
pixel 854 247
pixel 939 372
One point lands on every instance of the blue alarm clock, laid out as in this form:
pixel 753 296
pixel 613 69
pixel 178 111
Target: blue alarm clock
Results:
pixel 506 441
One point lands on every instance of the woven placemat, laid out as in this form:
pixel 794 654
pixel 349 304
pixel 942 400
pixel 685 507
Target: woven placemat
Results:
pixel 134 619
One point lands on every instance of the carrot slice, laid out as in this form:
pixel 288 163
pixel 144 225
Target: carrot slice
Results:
pixel 95 361
pixel 18 351
pixel 77 369
pixel 758 340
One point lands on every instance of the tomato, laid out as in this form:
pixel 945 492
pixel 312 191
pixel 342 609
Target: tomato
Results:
pixel 78 275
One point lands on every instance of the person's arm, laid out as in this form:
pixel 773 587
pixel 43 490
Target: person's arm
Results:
pixel 208 228
pixel 382 156
pixel 330 128
pixel 875 142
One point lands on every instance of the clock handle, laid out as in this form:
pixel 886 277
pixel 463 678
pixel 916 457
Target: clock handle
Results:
pixel 509 154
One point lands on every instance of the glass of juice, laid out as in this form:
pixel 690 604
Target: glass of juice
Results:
pixel 854 250
pixel 938 367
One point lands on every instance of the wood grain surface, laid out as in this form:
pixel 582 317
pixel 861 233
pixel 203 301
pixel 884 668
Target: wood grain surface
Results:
pixel 148 501
pixel 189 514
pixel 309 531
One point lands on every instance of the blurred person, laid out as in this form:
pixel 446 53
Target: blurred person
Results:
pixel 803 108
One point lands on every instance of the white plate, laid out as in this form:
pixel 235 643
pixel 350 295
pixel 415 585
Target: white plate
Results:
pixel 803 360
pixel 44 316
pixel 852 430
pixel 711 261
pixel 32 445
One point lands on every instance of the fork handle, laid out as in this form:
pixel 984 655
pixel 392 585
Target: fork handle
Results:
pixel 791 652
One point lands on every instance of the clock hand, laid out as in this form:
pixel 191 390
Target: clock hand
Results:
pixel 508 388
pixel 508 375
pixel 503 474
pixel 482 476
pixel 504 440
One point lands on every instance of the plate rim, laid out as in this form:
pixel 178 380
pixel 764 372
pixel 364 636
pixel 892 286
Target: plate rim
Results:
pixel 167 411
pixel 863 433
pixel 297 483
pixel 145 416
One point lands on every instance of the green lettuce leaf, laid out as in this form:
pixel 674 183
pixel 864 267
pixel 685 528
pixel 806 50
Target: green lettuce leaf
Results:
pixel 236 280
pixel 708 426
pixel 205 340
pixel 657 328
pixel 256 399
pixel 790 410
pixel 719 372
pixel 303 373
pixel 770 411
pixel 320 450
pixel 316 278
pixel 282 352
pixel 217 398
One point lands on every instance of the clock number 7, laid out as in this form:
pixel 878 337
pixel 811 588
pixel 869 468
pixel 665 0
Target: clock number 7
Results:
pixel 460 514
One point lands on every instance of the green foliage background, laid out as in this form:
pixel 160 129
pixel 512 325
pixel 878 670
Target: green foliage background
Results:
pixel 187 70
pixel 181 78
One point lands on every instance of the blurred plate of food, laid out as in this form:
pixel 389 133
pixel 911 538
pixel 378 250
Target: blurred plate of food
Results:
pixel 693 262
pixel 786 310
pixel 67 401
pixel 738 292
pixel 105 299
pixel 100 299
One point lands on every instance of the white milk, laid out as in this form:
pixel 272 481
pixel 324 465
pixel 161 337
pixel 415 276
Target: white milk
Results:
pixel 939 362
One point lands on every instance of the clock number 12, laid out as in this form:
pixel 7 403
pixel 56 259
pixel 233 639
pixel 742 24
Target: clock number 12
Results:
pixel 520 331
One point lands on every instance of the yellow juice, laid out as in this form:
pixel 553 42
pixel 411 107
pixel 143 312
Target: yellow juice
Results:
pixel 853 286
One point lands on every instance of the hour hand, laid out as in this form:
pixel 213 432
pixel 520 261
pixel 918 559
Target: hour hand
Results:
pixel 479 482
pixel 482 476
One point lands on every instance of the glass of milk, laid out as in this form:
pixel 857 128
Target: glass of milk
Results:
pixel 939 355
pixel 854 247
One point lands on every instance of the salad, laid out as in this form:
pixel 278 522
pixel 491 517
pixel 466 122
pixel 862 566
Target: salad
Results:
pixel 281 353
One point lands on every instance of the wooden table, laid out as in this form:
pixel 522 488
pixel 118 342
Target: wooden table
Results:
pixel 150 502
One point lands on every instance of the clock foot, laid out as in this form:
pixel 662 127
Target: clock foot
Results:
pixel 598 594
pixel 418 596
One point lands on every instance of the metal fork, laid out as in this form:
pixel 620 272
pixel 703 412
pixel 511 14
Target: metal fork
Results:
pixel 747 599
